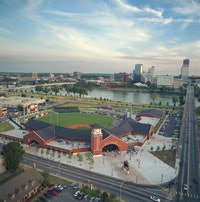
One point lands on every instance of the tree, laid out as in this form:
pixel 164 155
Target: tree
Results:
pixel 174 100
pixel 158 148
pixel 163 148
pixel 38 88
pixel 13 154
pixel 104 195
pixel 151 148
pixel 153 96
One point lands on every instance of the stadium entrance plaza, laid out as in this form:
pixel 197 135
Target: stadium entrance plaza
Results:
pixel 145 168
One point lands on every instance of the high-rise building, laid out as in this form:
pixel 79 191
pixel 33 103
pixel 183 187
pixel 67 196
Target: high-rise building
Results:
pixel 139 69
pixel 121 77
pixel 185 69
pixel 148 76
pixel 77 75
pixel 138 73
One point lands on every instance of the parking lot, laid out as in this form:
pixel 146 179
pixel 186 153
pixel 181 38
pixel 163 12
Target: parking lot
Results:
pixel 63 193
pixel 171 125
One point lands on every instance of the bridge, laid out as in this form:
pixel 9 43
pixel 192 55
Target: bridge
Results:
pixel 33 86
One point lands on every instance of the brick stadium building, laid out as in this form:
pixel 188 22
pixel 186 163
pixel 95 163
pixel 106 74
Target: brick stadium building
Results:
pixel 95 139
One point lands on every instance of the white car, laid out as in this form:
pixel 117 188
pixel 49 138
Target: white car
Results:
pixel 76 193
pixel 185 187
pixel 60 187
pixel 154 198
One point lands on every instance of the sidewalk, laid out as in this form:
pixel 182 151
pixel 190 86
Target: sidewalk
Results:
pixel 144 167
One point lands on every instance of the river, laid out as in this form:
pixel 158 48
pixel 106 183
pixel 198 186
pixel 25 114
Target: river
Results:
pixel 127 96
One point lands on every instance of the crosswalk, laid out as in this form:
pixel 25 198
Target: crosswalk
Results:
pixel 194 196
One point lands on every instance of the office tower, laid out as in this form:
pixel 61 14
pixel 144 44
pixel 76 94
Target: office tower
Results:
pixel 185 69
pixel 77 75
pixel 138 73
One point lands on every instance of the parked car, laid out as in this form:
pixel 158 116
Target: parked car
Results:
pixel 60 187
pixel 53 192
pixel 75 186
pixel 86 197
pixel 80 196
pixel 43 199
pixel 57 189
pixel 76 193
pixel 154 198
pixel 47 195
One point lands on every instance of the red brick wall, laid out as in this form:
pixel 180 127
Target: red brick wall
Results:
pixel 32 136
pixel 96 144
pixel 116 141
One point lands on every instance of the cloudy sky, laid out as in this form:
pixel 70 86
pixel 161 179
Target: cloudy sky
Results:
pixel 104 36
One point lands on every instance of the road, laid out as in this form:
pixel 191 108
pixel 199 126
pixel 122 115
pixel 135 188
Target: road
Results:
pixel 187 189
pixel 126 190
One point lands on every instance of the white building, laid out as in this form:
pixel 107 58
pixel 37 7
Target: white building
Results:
pixel 165 80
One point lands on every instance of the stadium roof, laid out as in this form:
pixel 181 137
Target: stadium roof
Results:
pixel 49 131
pixel 154 112
pixel 129 125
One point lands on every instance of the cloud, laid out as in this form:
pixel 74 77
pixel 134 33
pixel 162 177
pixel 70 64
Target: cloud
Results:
pixel 126 6
pixel 5 31
pixel 33 4
pixel 190 10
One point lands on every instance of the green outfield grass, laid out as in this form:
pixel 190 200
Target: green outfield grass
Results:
pixel 77 118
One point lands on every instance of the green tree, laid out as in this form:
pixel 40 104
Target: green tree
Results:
pixel 153 96
pixel 13 153
pixel 163 148
pixel 104 195
pixel 55 89
pixel 158 148
pixel 46 90
pixel 151 148
pixel 174 100
pixel 80 157
pixel 38 88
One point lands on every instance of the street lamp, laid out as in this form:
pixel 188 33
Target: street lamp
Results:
pixel 120 188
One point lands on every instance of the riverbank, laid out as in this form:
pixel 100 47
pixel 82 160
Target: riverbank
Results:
pixel 140 90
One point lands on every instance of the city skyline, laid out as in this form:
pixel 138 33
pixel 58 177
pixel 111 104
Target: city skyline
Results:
pixel 99 36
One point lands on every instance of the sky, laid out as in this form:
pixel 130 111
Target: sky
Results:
pixel 99 36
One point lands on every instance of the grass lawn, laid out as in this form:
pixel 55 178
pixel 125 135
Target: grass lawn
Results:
pixel 56 180
pixel 167 156
pixel 77 118
pixel 6 126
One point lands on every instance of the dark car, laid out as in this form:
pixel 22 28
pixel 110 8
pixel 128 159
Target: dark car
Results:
pixel 47 195
pixel 196 181
pixel 43 199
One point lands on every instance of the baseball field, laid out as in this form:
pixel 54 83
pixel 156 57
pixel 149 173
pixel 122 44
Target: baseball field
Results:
pixel 69 119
